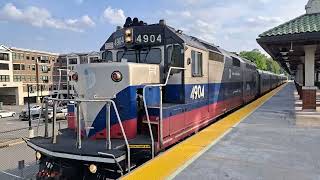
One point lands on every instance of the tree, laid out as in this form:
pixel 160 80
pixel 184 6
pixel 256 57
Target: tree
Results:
pixel 261 60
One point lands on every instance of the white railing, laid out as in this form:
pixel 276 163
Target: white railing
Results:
pixel 108 119
pixel 160 109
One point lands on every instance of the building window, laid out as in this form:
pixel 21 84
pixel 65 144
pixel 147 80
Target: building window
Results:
pixel 45 79
pixel 33 67
pixel 4 66
pixel 28 57
pixel 14 56
pixel 83 60
pixel 4 78
pixel 32 58
pixel 73 61
pixel 196 58
pixel 93 59
pixel 34 78
pixel 44 68
pixel 16 66
pixel 44 59
pixel 16 78
pixel 28 78
pixel 4 56
pixel 23 67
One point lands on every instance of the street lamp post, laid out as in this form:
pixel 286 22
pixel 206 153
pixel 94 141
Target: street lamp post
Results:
pixel 31 132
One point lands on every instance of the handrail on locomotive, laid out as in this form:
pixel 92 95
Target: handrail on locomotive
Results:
pixel 146 108
pixel 108 101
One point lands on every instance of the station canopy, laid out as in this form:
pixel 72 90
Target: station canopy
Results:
pixel 285 43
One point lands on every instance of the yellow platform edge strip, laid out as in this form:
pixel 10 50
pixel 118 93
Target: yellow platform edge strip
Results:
pixel 168 163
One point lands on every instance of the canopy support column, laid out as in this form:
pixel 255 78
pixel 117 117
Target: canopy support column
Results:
pixel 309 91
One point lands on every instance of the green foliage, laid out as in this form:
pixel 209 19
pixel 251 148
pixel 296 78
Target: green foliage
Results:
pixel 262 61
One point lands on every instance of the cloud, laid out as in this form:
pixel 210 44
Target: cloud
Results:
pixel 113 16
pixel 263 21
pixel 40 17
pixel 79 1
pixel 233 25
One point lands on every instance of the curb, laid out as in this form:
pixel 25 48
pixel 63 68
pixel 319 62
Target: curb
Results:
pixel 11 143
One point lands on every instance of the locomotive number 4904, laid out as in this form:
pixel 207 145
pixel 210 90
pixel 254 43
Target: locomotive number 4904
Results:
pixel 197 92
pixel 149 38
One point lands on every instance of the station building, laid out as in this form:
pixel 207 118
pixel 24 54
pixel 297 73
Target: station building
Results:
pixel 296 46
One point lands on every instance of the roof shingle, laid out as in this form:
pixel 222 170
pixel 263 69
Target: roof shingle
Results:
pixel 303 24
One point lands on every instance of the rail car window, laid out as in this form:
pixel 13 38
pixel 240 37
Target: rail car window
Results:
pixel 196 58
pixel 249 66
pixel 175 56
pixel 213 56
pixel 149 56
pixel 235 62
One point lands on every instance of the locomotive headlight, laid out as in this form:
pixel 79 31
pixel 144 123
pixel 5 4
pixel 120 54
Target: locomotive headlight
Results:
pixel 93 168
pixel 128 35
pixel 128 32
pixel 38 155
pixel 128 39
pixel 116 76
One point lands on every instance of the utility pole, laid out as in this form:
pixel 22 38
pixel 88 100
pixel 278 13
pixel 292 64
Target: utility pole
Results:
pixel 31 132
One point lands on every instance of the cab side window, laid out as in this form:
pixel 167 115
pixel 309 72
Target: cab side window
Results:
pixel 196 59
pixel 175 56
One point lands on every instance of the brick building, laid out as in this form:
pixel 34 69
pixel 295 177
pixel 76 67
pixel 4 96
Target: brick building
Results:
pixel 33 68
pixel 38 70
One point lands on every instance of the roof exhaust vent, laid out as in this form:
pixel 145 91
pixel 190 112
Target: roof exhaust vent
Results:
pixel 162 22
pixel 135 22
pixel 128 22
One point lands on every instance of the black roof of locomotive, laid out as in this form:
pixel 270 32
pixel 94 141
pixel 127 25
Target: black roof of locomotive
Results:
pixel 177 36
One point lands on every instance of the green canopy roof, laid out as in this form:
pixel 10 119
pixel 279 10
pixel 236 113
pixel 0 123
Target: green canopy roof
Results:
pixel 307 23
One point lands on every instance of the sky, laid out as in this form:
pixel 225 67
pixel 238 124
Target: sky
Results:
pixel 65 26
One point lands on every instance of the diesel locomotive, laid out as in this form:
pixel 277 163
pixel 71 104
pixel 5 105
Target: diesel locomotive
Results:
pixel 154 86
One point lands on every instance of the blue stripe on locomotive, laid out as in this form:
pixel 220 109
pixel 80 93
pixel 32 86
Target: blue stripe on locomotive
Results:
pixel 127 105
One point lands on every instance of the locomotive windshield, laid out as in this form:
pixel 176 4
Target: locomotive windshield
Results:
pixel 148 56
pixel 107 55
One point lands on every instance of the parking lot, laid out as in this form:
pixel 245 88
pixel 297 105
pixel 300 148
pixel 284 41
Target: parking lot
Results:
pixel 12 130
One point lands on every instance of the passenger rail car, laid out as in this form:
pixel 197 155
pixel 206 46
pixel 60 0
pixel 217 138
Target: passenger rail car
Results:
pixel 156 86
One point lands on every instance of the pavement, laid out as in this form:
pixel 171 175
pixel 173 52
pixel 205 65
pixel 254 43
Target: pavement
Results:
pixel 10 157
pixel 13 129
pixel 266 145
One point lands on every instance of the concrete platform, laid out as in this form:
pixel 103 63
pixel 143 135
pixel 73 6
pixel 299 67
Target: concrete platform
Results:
pixel 268 144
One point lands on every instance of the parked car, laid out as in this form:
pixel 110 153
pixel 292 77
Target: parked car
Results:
pixel 34 112
pixel 5 113
pixel 61 114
